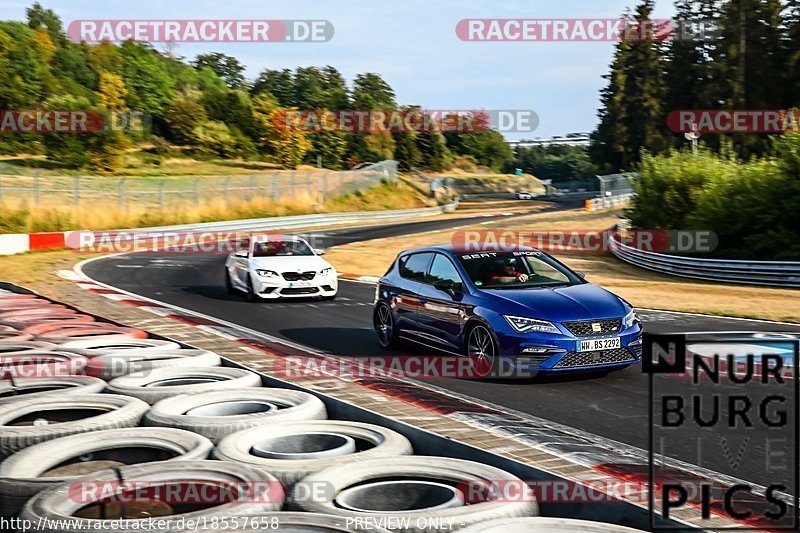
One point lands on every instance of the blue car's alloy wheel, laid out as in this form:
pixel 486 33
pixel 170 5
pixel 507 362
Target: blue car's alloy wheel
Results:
pixel 384 326
pixel 481 350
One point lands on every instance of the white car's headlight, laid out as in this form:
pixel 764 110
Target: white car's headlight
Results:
pixel 325 271
pixel 630 319
pixel 267 273
pixel 528 325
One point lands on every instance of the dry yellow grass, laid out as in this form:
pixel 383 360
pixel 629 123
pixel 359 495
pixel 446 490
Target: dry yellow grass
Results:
pixel 640 287
pixel 39 268
pixel 21 218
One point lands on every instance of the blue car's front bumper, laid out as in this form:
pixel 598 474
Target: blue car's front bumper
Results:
pixel 551 352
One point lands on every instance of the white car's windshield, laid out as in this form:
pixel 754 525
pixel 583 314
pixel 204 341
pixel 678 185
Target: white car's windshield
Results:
pixel 515 270
pixel 281 249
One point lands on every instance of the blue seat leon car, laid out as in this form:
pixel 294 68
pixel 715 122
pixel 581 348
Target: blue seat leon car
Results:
pixel 519 312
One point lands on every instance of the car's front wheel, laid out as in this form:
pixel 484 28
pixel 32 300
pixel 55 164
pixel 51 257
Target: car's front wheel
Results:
pixel 228 283
pixel 482 351
pixel 251 292
pixel 384 326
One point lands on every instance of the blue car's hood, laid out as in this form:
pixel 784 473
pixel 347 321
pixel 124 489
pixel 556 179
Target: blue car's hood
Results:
pixel 560 304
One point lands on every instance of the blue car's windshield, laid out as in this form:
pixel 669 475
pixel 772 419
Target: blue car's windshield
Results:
pixel 515 270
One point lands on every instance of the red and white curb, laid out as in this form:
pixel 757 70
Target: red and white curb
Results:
pixel 19 243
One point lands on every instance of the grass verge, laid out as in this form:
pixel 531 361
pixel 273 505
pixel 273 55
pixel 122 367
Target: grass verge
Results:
pixel 25 219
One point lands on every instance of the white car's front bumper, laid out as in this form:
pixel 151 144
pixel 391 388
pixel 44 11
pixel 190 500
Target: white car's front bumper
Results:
pixel 278 287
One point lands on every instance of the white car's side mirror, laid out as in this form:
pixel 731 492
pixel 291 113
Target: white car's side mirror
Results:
pixel 240 254
pixel 319 251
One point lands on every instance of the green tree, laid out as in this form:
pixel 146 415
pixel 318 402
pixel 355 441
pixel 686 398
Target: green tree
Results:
pixel 183 116
pixel 632 116
pixel 433 152
pixel 370 91
pixel 96 150
pixel 111 92
pixel 284 144
pixel 226 67
pixel 334 87
pixel 406 152
pixel 39 17
pixel 214 138
pixel 146 79
pixel 278 83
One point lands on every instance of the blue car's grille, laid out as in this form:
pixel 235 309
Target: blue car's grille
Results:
pixel 604 357
pixel 591 328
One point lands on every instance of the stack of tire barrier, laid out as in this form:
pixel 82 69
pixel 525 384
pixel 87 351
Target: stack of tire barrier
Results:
pixel 100 422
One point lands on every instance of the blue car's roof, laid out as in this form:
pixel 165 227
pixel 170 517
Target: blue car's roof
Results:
pixel 451 249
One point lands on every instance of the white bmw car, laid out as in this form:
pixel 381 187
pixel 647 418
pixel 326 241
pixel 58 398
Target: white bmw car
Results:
pixel 280 267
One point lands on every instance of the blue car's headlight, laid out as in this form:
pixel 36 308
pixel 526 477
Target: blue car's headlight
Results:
pixel 528 325
pixel 267 273
pixel 630 319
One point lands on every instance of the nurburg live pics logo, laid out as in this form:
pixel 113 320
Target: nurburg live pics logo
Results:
pixel 740 411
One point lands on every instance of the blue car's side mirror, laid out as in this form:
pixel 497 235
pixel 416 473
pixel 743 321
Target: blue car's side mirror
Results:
pixel 445 285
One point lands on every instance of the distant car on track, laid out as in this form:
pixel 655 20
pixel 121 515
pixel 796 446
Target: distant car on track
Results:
pixel 273 267
pixel 523 196
pixel 521 311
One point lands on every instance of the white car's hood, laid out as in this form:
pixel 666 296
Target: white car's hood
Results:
pixel 301 263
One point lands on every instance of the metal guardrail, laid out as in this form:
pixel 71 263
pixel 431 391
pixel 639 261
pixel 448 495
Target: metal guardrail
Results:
pixel 772 273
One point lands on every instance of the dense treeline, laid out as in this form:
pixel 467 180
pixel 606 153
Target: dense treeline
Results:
pixel 751 205
pixel 748 58
pixel 206 106
pixel 559 163
pixel 745 186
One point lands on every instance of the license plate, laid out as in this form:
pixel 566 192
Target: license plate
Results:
pixel 593 345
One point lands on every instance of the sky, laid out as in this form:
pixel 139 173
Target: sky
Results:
pixel 413 45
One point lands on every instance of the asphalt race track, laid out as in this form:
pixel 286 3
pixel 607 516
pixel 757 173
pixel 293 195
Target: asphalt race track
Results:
pixel 612 406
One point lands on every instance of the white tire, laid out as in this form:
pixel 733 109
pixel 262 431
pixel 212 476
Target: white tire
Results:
pixel 220 413
pixel 55 416
pixel 44 465
pixel 8 347
pixel 95 347
pixel 375 442
pixel 413 480
pixel 112 365
pixel 12 390
pixel 41 363
pixel 55 507
pixel 162 383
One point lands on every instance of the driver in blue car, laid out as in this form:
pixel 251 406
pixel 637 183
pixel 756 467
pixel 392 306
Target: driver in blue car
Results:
pixel 508 274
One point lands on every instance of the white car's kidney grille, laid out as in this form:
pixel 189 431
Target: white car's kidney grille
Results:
pixel 297 276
